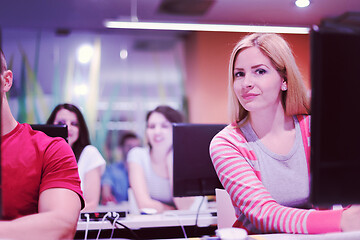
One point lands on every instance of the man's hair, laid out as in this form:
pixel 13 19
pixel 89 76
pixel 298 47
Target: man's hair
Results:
pixel 126 136
pixel 2 62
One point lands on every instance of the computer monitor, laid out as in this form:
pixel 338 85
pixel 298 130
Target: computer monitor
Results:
pixel 193 171
pixel 335 125
pixel 52 130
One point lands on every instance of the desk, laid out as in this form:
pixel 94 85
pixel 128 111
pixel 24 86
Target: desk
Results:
pixel 157 226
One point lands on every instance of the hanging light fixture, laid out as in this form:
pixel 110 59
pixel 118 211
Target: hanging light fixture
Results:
pixel 203 27
pixel 136 24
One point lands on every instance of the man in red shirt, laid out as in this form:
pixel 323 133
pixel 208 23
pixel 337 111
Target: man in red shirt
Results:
pixel 41 192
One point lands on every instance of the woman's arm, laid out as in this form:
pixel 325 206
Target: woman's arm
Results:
pixel 139 186
pixel 92 188
pixel 59 210
pixel 257 209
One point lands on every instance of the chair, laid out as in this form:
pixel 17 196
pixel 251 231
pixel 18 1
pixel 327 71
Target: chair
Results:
pixel 225 210
pixel 133 207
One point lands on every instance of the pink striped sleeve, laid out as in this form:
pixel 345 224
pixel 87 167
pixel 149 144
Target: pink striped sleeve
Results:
pixel 257 211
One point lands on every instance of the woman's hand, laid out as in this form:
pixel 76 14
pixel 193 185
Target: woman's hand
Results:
pixel 350 220
pixel 106 195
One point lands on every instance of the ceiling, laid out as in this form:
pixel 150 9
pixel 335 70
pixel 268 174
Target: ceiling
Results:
pixel 90 14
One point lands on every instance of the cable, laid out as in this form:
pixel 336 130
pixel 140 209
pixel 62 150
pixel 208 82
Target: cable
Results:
pixel 114 221
pixel 102 222
pixel 116 215
pixel 87 225
pixel 198 211
pixel 181 225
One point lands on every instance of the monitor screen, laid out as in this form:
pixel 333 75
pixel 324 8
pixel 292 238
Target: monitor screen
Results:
pixel 335 127
pixel 193 171
pixel 52 130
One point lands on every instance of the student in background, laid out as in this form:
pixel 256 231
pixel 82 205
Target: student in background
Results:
pixel 115 182
pixel 262 157
pixel 90 162
pixel 40 187
pixel 150 168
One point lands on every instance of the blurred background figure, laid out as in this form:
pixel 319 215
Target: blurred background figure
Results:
pixel 115 181
pixel 90 162
pixel 150 168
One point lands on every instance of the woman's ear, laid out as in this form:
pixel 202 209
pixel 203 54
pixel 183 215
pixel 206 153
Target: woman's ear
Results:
pixel 7 80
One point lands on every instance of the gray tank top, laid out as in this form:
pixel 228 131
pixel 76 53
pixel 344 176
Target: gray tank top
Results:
pixel 284 176
pixel 159 187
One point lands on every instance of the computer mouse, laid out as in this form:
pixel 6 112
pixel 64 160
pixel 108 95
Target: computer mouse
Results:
pixel 148 211
pixel 231 234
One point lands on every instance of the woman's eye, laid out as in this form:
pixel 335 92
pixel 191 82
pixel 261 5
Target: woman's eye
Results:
pixel 60 122
pixel 260 71
pixel 75 124
pixel 239 74
pixel 166 125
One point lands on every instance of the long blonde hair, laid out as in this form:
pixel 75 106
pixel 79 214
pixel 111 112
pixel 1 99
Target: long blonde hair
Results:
pixel 294 100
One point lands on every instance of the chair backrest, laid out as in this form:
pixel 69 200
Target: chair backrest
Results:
pixel 225 210
pixel 133 207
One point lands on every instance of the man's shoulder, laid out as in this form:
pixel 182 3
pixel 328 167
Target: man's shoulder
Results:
pixel 39 139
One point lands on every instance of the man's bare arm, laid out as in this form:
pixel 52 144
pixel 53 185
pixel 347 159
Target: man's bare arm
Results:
pixel 59 210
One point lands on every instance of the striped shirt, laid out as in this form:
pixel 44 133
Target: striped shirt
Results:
pixel 257 211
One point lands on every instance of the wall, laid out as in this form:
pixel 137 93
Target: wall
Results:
pixel 207 58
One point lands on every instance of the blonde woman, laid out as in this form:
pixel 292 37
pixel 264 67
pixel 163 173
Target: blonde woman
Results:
pixel 262 157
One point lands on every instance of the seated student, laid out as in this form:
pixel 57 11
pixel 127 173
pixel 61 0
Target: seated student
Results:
pixel 90 162
pixel 150 169
pixel 115 182
pixel 41 194
pixel 262 157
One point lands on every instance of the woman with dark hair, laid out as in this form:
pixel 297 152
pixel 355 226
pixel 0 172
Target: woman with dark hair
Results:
pixel 150 168
pixel 90 162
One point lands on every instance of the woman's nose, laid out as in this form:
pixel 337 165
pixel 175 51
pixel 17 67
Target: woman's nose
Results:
pixel 157 129
pixel 248 82
pixel 70 127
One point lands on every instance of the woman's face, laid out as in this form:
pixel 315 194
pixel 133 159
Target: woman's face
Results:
pixel 159 131
pixel 66 117
pixel 257 84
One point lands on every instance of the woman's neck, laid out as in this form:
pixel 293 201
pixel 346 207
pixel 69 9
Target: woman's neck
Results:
pixel 159 154
pixel 275 130
pixel 270 121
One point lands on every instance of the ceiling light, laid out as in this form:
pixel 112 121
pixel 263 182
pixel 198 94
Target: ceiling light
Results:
pixel 204 27
pixel 85 53
pixel 302 3
pixel 80 89
pixel 123 54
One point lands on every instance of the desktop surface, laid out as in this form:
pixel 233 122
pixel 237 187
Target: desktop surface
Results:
pixel 157 226
pixel 168 226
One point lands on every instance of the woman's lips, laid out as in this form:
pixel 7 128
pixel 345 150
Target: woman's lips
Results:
pixel 249 96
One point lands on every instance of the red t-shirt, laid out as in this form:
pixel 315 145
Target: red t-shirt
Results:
pixel 32 162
